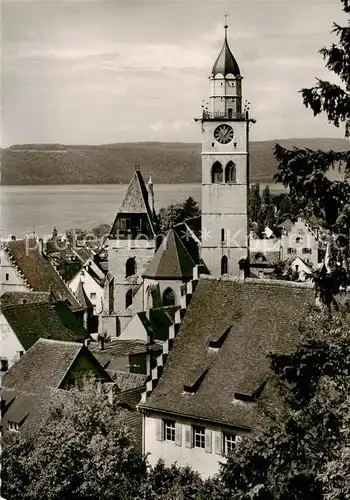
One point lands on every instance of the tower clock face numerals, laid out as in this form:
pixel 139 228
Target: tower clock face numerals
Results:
pixel 223 134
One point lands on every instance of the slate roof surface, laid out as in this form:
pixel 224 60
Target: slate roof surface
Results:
pixel 260 316
pixel 43 320
pixel 115 355
pixel 171 261
pixel 38 271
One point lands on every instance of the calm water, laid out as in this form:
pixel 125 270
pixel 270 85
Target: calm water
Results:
pixel 25 209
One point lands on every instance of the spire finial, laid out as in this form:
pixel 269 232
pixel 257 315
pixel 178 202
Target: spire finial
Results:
pixel 226 25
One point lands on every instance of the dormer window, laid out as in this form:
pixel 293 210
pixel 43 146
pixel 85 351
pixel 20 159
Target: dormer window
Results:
pixel 216 340
pixel 13 426
pixel 194 381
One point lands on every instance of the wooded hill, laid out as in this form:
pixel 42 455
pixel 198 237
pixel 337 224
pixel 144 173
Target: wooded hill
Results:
pixel 113 163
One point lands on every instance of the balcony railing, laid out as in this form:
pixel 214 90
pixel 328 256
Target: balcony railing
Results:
pixel 223 115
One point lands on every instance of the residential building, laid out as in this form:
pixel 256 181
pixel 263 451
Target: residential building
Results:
pixel 302 241
pixel 205 397
pixel 42 377
pixel 27 316
pixel 25 267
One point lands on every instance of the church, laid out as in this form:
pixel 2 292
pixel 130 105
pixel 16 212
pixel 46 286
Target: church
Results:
pixel 135 242
pixel 203 390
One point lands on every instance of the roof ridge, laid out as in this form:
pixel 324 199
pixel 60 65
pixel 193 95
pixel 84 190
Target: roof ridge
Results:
pixel 54 341
pixel 259 281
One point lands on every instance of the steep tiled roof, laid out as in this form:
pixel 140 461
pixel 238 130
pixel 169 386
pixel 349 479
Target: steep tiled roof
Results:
pixel 17 298
pixel 136 201
pixel 171 261
pixel 43 320
pixel 229 328
pixel 114 355
pixel 126 381
pixel 45 364
pixel 38 271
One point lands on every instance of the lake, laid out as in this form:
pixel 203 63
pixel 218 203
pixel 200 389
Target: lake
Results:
pixel 25 209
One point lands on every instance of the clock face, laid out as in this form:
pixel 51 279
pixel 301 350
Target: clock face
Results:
pixel 223 134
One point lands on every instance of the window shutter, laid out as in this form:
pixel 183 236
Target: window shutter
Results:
pixel 208 440
pixel 178 434
pixel 188 436
pixel 218 443
pixel 160 430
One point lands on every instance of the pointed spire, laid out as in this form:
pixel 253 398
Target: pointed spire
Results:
pixel 225 63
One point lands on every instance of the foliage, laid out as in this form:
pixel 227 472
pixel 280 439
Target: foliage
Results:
pixel 284 271
pixel 305 171
pixel 85 451
pixel 175 214
pixel 302 452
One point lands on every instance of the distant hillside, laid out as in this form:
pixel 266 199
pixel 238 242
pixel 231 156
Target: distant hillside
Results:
pixel 113 163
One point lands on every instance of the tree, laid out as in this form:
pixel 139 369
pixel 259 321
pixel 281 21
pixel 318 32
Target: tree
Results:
pixel 254 203
pixel 84 451
pixel 302 451
pixel 305 171
pixel 175 214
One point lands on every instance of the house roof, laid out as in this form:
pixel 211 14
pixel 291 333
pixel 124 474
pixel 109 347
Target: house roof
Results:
pixel 136 201
pixel 45 364
pixel 40 275
pixel 32 385
pixel 127 381
pixel 17 298
pixel 32 321
pixel 229 328
pixel 171 261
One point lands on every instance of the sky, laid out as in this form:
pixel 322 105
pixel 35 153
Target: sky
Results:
pixel 97 72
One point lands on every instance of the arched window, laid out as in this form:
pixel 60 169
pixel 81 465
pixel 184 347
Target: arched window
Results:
pixel 224 265
pixel 230 172
pixel 168 297
pixel 216 173
pixel 130 267
pixel 222 235
pixel 128 298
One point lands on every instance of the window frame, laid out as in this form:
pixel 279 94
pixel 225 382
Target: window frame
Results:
pixel 169 430
pixel 93 295
pixel 230 443
pixel 198 432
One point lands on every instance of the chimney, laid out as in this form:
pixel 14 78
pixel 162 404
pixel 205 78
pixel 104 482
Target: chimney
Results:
pixel 151 191
pixel 41 246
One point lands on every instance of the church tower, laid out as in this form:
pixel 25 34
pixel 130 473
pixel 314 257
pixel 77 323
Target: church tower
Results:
pixel 225 179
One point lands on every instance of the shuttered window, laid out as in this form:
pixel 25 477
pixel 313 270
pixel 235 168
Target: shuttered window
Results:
pixel 208 439
pixel 188 436
pixel 169 430
pixel 159 430
pixel 178 434
pixel 218 443
pixel 198 437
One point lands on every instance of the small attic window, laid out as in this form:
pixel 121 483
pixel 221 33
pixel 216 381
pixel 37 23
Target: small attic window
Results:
pixel 216 340
pixel 194 380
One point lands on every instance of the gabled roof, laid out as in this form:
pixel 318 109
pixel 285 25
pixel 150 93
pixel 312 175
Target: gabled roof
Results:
pixel 225 63
pixel 127 381
pixel 136 201
pixel 38 271
pixel 171 261
pixel 45 364
pixel 250 318
pixel 32 321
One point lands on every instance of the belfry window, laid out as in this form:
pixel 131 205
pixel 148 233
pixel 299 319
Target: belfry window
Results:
pixel 224 265
pixel 216 173
pixel 128 298
pixel 168 297
pixel 230 173
pixel 130 267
